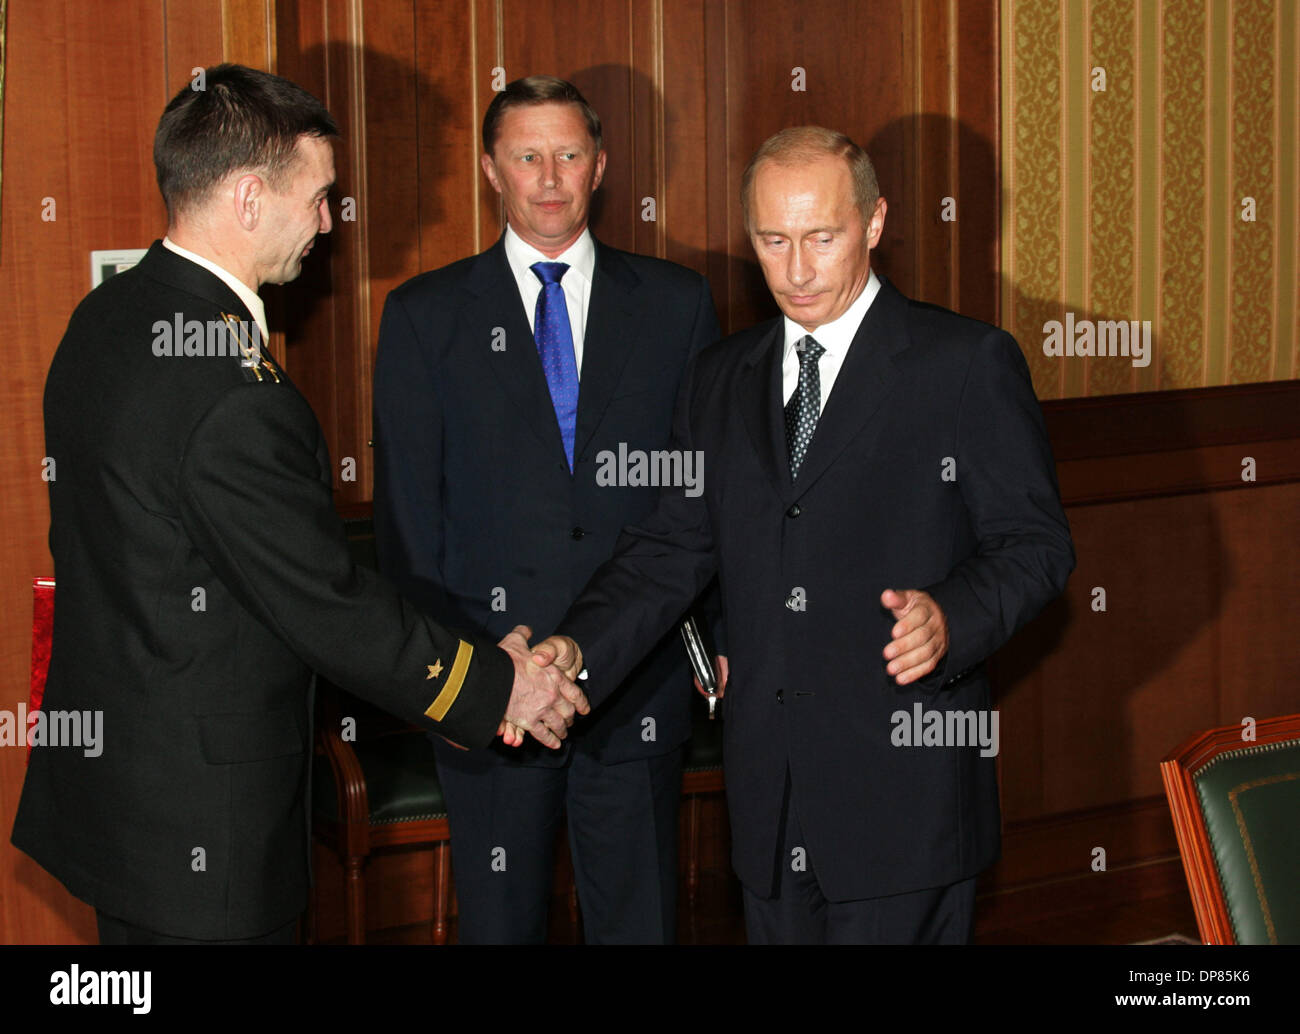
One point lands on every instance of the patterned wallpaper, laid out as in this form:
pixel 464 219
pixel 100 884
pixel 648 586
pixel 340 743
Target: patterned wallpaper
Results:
pixel 1150 155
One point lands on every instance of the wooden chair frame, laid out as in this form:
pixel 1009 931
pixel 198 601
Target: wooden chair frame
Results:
pixel 353 838
pixel 1178 770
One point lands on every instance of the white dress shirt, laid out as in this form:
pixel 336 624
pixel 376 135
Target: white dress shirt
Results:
pixel 835 336
pixel 581 258
pixel 246 294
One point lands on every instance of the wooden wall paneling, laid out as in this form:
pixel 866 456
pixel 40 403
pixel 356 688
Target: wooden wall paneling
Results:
pixel 1159 443
pixel 941 141
pixel 453 89
pixel 488 55
pixel 766 41
pixel 646 159
pixel 322 312
pixel 300 32
pixel 195 39
pixel 1201 583
pixel 350 382
pixel 687 204
pixel 248 33
pixel 974 32
pixel 246 36
pixel 298 313
pixel 588 42
pixel 1164 421
pixel 80 133
pixel 1059 846
pixel 932 159
pixel 1258 660
pixel 389 213
pixel 722 200
pixel 1125 683
pixel 921 95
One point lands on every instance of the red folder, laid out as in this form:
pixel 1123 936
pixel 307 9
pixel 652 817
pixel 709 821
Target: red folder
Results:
pixel 42 631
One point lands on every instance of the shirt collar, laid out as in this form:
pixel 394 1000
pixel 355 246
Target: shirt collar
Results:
pixel 246 294
pixel 836 336
pixel 580 255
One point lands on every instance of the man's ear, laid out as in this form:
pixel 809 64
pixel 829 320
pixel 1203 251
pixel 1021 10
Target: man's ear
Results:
pixel 490 171
pixel 600 170
pixel 876 227
pixel 248 197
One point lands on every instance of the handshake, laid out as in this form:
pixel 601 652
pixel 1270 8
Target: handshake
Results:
pixel 545 697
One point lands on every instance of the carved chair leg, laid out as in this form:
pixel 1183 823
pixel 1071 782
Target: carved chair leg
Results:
pixel 441 897
pixel 692 850
pixel 354 892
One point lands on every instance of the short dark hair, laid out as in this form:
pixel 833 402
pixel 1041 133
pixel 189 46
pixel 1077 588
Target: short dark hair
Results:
pixel 536 89
pixel 801 144
pixel 232 118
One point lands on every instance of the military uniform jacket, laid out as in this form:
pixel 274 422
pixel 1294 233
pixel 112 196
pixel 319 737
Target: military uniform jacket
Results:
pixel 202 575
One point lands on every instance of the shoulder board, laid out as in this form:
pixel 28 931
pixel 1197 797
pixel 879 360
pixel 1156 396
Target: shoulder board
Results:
pixel 248 337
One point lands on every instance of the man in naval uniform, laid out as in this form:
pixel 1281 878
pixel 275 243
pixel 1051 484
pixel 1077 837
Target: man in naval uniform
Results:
pixel 202 571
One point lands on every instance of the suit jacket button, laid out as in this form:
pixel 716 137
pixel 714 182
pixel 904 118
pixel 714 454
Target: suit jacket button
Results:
pixel 780 696
pixel 794 511
pixel 577 533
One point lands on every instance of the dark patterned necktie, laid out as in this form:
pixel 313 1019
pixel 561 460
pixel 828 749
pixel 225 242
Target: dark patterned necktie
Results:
pixel 805 405
pixel 554 336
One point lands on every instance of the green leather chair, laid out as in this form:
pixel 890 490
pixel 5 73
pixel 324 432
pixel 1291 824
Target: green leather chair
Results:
pixel 376 792
pixel 1236 811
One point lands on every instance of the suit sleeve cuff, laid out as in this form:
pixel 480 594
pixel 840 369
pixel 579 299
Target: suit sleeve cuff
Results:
pixel 469 699
pixel 962 657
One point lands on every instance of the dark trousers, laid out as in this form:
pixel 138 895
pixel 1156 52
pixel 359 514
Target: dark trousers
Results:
pixel 120 932
pixel 800 914
pixel 622 821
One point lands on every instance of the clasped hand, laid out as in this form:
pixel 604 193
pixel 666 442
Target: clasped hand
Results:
pixel 545 697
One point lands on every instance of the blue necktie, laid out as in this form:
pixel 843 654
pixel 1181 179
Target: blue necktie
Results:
pixel 554 338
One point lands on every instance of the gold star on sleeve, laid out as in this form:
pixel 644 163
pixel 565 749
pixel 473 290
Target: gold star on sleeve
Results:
pixel 455 679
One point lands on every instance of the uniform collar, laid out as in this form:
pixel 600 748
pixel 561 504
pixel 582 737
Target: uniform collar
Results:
pixel 245 293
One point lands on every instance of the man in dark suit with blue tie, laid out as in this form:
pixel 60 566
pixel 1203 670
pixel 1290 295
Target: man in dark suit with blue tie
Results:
pixel 882 513
pixel 506 386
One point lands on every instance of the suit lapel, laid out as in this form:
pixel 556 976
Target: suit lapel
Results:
pixel 608 341
pixel 759 387
pixel 864 381
pixel 496 304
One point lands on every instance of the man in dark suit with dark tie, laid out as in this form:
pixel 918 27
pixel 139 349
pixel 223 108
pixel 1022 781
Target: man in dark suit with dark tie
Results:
pixel 882 512
pixel 202 570
pixel 507 386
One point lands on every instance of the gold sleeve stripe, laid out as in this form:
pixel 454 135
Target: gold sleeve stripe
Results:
pixel 455 679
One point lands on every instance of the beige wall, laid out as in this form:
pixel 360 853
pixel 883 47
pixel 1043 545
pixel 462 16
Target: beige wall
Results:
pixel 1126 204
